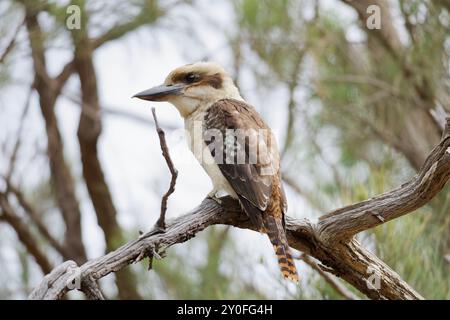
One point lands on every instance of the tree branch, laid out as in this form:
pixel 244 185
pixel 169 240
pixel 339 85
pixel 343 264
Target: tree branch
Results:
pixel 61 79
pixel 148 14
pixel 173 171
pixel 333 282
pixel 434 174
pixel 342 255
pixel 49 288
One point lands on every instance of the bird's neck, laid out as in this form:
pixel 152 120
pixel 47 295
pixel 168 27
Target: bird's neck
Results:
pixel 198 113
pixel 203 105
pixel 195 102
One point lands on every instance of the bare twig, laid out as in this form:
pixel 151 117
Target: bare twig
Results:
pixel 330 279
pixel 292 105
pixel 174 172
pixel 12 159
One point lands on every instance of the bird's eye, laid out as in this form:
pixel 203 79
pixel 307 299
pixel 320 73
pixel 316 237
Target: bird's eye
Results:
pixel 191 77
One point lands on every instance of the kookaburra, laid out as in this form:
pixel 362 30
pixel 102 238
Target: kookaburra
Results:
pixel 237 148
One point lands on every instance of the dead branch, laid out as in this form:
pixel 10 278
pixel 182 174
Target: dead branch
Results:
pixel 348 221
pixel 333 282
pixel 49 288
pixel 173 171
pixel 342 255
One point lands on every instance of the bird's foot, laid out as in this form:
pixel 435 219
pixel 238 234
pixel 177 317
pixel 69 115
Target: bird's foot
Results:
pixel 214 195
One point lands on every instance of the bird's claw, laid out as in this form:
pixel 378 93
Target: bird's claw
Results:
pixel 213 196
pixel 216 199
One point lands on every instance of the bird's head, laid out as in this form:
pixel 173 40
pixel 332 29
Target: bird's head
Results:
pixel 192 86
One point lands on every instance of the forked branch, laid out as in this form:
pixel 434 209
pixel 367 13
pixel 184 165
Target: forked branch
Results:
pixel 330 241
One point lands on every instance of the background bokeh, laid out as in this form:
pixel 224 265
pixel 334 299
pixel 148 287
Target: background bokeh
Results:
pixel 355 112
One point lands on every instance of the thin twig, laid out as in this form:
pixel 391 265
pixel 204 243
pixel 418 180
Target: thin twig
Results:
pixel 329 278
pixel 165 152
pixel 12 159
pixel 11 43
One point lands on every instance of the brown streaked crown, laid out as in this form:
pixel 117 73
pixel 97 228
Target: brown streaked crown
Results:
pixel 198 74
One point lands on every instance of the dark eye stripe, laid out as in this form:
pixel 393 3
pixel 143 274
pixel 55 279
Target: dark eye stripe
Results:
pixel 214 80
pixel 191 77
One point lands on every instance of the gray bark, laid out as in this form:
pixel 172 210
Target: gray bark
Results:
pixel 331 240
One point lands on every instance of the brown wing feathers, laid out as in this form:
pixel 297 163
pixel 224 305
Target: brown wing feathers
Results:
pixel 261 195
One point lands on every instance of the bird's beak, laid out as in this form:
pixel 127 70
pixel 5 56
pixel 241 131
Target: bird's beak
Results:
pixel 160 93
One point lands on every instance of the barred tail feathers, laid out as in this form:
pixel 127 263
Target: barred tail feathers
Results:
pixel 277 235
